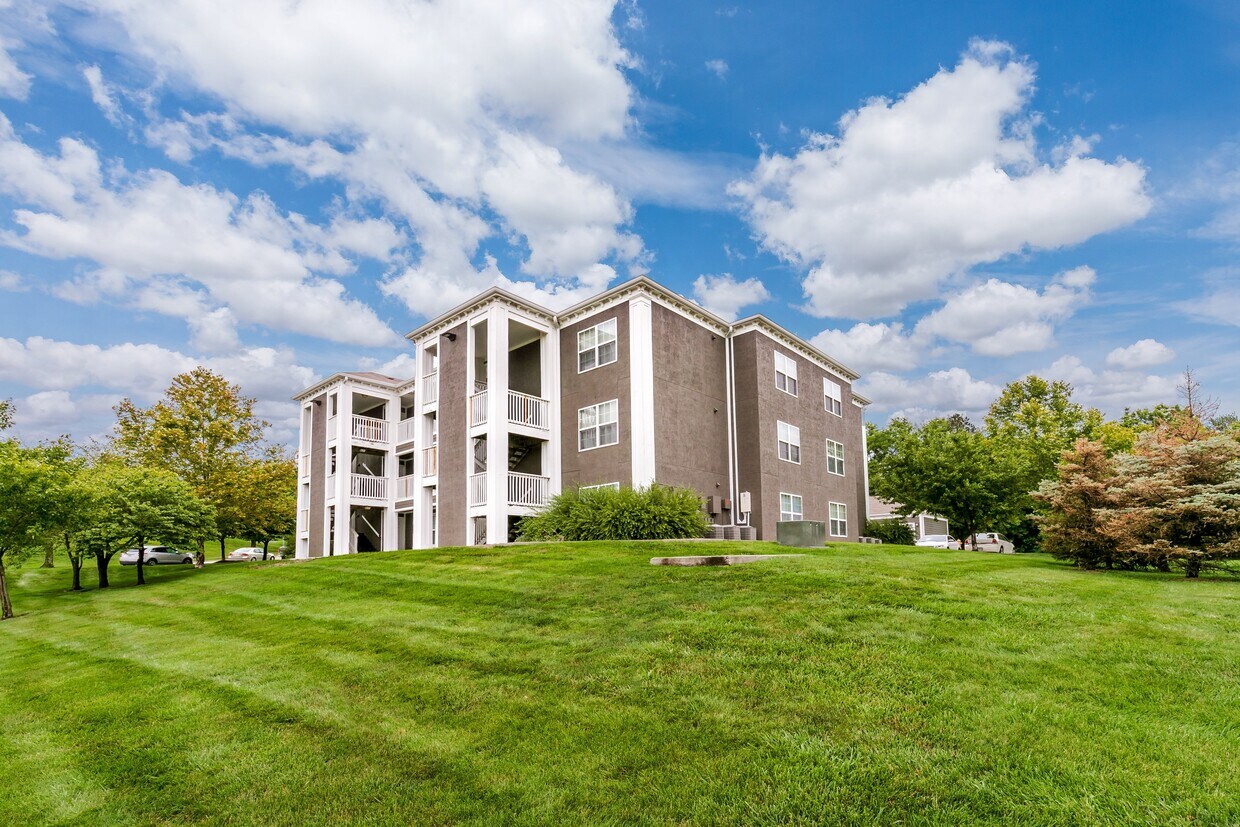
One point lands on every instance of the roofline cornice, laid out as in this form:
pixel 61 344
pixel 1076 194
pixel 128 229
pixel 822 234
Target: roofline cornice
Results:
pixel 453 317
pixel 342 378
pixel 789 339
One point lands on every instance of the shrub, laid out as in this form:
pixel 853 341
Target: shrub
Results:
pixel 894 532
pixel 659 512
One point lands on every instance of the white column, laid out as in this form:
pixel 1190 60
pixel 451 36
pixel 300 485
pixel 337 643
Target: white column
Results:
pixel 497 424
pixel 421 515
pixel 641 387
pixel 392 409
pixel 344 468
pixel 551 392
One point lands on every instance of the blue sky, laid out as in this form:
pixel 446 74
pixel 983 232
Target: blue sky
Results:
pixel 945 196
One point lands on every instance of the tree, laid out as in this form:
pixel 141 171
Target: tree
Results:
pixel 138 506
pixel 203 429
pixel 271 498
pixel 944 468
pixel 893 532
pixel 1073 525
pixel 28 491
pixel 1038 421
pixel 6 414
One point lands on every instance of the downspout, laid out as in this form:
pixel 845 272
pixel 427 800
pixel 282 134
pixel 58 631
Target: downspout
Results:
pixel 727 372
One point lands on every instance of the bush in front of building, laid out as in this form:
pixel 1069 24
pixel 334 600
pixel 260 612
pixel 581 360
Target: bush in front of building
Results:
pixel 893 532
pixel 658 512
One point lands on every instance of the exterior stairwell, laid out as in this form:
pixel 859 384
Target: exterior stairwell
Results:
pixel 364 536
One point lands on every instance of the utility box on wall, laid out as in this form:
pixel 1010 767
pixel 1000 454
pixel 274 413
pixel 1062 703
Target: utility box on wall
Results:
pixel 801 533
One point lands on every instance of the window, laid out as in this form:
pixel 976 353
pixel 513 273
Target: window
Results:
pixel 789 443
pixel 833 397
pixel 785 373
pixel 790 507
pixel 839 519
pixel 596 346
pixel 614 486
pixel 835 457
pixel 598 425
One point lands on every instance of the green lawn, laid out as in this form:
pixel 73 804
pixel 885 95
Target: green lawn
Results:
pixel 575 684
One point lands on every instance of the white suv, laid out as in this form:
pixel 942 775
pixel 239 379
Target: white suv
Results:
pixel 990 541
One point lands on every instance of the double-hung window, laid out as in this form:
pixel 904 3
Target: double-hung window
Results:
pixel 839 519
pixel 833 397
pixel 789 442
pixel 596 346
pixel 790 507
pixel 598 425
pixel 785 373
pixel 835 457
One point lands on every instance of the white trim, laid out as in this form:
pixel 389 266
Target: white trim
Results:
pixel 615 351
pixel 641 390
pixel 839 459
pixel 832 520
pixel 598 426
pixel 799 515
pixel 772 331
pixel 779 440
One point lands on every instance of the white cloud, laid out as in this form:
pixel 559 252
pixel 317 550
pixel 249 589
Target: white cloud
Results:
pixel 149 232
pixel 914 190
pixel 14 83
pixel 936 394
pixel 452 115
pixel 1112 390
pixel 997 318
pixel 1220 303
pixel 11 281
pixel 719 67
pixel 1146 353
pixel 866 347
pixel 724 296
pixel 103 95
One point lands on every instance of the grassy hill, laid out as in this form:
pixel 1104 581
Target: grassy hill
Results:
pixel 576 684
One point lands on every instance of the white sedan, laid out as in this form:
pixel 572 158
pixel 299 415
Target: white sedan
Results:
pixel 155 556
pixel 990 541
pixel 938 541
pixel 241 555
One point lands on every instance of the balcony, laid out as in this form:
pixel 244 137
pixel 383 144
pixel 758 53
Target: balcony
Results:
pixel 303 462
pixel 406 487
pixel 430 461
pixel 330 486
pixel 430 388
pixel 523 409
pixel 406 430
pixel 524 490
pixel 369 429
pixel 367 487
pixel 303 520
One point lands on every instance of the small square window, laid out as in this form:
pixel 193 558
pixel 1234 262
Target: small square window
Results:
pixel 596 346
pixel 598 425
pixel 790 507
pixel 838 512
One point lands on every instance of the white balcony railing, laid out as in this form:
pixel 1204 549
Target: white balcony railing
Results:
pixel 478 408
pixel 430 388
pixel 369 429
pixel 368 487
pixel 528 489
pixel 478 489
pixel 406 429
pixel 531 411
pixel 405 487
pixel 430 461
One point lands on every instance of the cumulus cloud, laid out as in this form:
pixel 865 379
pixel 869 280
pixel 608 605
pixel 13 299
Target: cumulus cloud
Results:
pixel 1146 353
pixel 914 190
pixel 724 296
pixel 998 318
pixel 149 233
pixel 866 347
pixel 938 393
pixel 1112 390
pixel 719 67
pixel 452 115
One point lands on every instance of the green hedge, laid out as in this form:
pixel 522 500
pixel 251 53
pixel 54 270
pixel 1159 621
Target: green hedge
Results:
pixel 659 512
pixel 894 532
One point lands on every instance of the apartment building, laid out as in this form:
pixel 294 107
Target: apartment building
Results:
pixel 512 402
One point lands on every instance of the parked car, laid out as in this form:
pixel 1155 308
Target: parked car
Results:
pixel 938 541
pixel 155 556
pixel 241 555
pixel 990 541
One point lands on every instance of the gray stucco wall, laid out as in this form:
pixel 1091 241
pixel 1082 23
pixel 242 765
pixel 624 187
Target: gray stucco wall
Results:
pixel 761 406
pixel 524 369
pixel 613 463
pixel 318 474
pixel 690 404
pixel 455 463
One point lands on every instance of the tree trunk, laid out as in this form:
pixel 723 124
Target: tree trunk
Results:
pixel 265 543
pixel 76 563
pixel 49 555
pixel 6 608
pixel 1192 567
pixel 141 559
pixel 222 554
pixel 101 563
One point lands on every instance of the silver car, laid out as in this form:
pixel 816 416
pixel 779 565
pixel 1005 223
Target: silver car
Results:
pixel 156 556
pixel 990 541
pixel 246 554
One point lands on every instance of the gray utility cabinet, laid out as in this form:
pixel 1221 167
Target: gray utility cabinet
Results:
pixel 801 533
